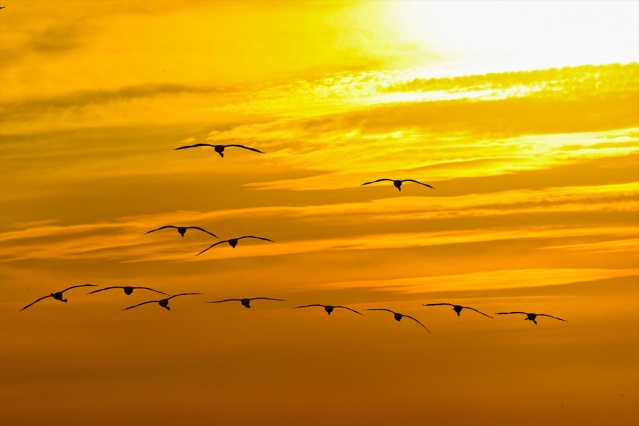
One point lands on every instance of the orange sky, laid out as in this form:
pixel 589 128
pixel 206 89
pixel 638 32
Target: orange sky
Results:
pixel 524 116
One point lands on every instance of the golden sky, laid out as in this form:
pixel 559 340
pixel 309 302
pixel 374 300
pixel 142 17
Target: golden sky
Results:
pixel 524 116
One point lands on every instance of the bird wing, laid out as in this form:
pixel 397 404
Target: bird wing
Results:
pixel 106 288
pixel 479 312
pixel 140 304
pixel 408 316
pixel 267 298
pixel 162 227
pixel 259 238
pixel 352 310
pixel 245 147
pixel 33 303
pixel 211 246
pixel 438 304
pixel 225 300
pixel 378 180
pixel 546 315
pixel 308 306
pixel 146 288
pixel 195 146
pixel 416 181
pixel 381 309
pixel 182 294
pixel 506 313
pixel 203 230
pixel 79 285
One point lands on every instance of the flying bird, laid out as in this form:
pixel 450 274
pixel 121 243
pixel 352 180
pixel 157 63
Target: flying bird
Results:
pixel 457 308
pixel 246 302
pixel 233 242
pixel 398 182
pixel 58 295
pixel 127 289
pixel 531 316
pixel 398 316
pixel 162 302
pixel 182 229
pixel 329 308
pixel 219 148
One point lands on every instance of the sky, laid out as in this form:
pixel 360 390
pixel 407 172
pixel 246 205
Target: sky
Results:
pixel 522 116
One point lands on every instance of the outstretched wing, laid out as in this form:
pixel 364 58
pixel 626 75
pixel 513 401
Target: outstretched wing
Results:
pixel 416 181
pixel 352 310
pixel 140 304
pixel 506 313
pixel 80 285
pixel 202 229
pixel 267 298
pixel 381 309
pixel 182 294
pixel 309 306
pixel 438 304
pixel 211 246
pixel 245 147
pixel 408 316
pixel 550 316
pixel 147 288
pixel 162 227
pixel 195 146
pixel 33 303
pixel 106 288
pixel 378 180
pixel 259 238
pixel 225 300
pixel 479 312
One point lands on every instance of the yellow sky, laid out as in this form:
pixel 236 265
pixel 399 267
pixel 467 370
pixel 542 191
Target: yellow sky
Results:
pixel 524 116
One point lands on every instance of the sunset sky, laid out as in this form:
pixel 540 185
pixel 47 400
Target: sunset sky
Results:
pixel 524 117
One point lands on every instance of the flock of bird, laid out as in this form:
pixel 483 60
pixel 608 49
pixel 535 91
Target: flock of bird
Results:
pixel 246 302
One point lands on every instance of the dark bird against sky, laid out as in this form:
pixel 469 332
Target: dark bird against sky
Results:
pixel 182 229
pixel 58 295
pixel 457 308
pixel 246 302
pixel 398 182
pixel 162 302
pixel 219 148
pixel 127 289
pixel 328 308
pixel 233 242
pixel 531 316
pixel 398 316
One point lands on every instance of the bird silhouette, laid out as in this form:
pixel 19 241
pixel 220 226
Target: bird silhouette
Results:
pixel 233 242
pixel 127 289
pixel 457 308
pixel 398 316
pixel 329 308
pixel 58 295
pixel 398 182
pixel 162 302
pixel 246 302
pixel 182 229
pixel 219 148
pixel 531 316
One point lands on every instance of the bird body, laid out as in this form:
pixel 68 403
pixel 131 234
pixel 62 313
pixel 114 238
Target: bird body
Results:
pixel 457 308
pixel 182 229
pixel 329 308
pixel 398 182
pixel 219 148
pixel 233 242
pixel 58 295
pixel 162 302
pixel 246 302
pixel 531 316
pixel 127 289
pixel 398 317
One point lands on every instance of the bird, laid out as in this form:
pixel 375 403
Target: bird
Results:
pixel 127 289
pixel 58 295
pixel 329 308
pixel 398 182
pixel 398 316
pixel 531 316
pixel 219 148
pixel 233 242
pixel 246 302
pixel 182 229
pixel 457 308
pixel 162 302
